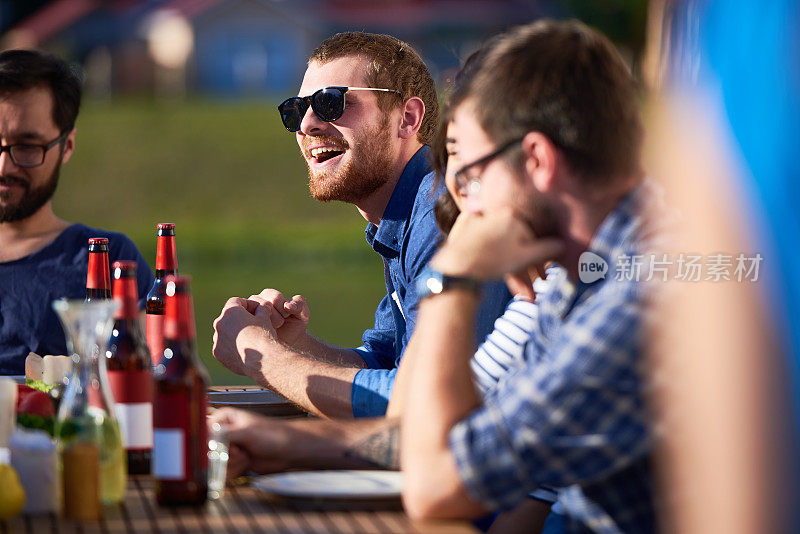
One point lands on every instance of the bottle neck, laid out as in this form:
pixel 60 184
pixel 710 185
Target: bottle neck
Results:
pixel 166 255
pixel 179 318
pixel 98 275
pixel 126 293
pixel 163 273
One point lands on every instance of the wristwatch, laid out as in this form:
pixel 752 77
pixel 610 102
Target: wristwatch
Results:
pixel 432 282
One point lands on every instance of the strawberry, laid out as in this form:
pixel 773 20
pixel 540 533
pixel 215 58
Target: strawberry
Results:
pixel 37 403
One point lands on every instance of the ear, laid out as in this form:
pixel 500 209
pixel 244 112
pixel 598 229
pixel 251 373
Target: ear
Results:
pixel 413 112
pixel 69 146
pixel 541 160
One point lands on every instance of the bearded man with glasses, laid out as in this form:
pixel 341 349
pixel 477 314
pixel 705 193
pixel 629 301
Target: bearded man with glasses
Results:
pixel 42 257
pixel 364 114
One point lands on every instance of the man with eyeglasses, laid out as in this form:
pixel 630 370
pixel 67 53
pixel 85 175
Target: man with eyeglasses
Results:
pixel 42 257
pixel 366 110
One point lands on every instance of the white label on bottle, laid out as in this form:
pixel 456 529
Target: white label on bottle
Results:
pixel 135 424
pixel 168 454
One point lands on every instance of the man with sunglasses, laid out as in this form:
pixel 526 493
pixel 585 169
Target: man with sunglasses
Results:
pixel 42 257
pixel 366 110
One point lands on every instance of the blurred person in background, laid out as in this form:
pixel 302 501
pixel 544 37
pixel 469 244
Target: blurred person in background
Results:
pixel 725 123
pixel 548 138
pixel 367 110
pixel 42 257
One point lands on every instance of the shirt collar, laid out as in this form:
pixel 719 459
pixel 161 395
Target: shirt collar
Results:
pixel 387 236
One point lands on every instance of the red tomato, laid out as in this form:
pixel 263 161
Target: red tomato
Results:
pixel 37 403
pixel 22 392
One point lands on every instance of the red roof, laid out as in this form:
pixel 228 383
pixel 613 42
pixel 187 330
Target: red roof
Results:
pixel 53 18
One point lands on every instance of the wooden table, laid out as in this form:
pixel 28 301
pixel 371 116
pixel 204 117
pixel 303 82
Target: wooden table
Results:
pixel 241 510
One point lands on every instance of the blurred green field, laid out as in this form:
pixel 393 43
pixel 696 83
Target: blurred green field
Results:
pixel 231 178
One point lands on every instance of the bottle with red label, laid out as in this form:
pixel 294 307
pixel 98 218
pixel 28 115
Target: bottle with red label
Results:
pixel 180 446
pixel 166 264
pixel 98 276
pixel 129 371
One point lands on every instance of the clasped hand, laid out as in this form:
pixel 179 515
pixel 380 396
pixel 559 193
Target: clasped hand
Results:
pixel 246 329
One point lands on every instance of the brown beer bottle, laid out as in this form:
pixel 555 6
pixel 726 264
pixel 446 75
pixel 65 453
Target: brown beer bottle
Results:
pixel 98 277
pixel 166 264
pixel 129 372
pixel 180 447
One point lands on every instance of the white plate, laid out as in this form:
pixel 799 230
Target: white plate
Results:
pixel 333 484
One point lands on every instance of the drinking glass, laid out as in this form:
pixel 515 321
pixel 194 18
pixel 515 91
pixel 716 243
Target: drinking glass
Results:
pixel 217 460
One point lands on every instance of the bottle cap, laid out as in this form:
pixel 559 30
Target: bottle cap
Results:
pixel 98 241
pixel 165 226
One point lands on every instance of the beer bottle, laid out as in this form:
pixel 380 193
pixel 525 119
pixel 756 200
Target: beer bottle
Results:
pixel 166 264
pixel 129 371
pixel 180 450
pixel 98 277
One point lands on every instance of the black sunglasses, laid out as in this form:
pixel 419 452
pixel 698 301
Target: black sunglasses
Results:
pixel 327 103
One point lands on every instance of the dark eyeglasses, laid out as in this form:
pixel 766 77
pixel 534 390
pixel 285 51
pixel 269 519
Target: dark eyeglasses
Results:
pixel 468 177
pixel 24 155
pixel 328 104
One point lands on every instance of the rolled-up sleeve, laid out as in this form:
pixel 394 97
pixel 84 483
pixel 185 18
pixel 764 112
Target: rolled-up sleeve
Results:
pixel 372 387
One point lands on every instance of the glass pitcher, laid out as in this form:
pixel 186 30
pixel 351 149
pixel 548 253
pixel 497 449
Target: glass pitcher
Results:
pixel 86 431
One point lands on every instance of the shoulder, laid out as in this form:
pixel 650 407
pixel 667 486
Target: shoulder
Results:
pixel 422 214
pixel 118 243
pixel 120 246
pixel 421 232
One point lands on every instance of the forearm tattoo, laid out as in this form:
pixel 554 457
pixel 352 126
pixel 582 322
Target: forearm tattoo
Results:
pixel 380 449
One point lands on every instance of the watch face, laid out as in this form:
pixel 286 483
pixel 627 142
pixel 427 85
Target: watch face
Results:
pixel 429 283
pixel 434 284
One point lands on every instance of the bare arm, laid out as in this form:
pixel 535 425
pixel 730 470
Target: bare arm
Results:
pixel 439 391
pixel 247 343
pixel 271 445
pixel 439 395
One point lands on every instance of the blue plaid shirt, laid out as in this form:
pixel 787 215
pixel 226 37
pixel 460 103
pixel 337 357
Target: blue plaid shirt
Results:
pixel 571 413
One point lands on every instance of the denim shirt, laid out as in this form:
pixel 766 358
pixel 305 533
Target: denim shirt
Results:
pixel 406 239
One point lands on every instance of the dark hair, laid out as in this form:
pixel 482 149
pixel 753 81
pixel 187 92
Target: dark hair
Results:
pixel 21 70
pixel 393 65
pixel 568 82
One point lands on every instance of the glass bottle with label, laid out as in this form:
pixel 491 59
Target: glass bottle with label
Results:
pixel 180 447
pixel 166 264
pixel 129 371
pixel 86 431
pixel 98 276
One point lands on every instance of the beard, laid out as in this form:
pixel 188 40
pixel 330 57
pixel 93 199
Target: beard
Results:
pixel 366 170
pixel 543 218
pixel 32 199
